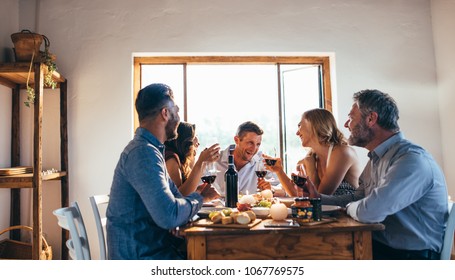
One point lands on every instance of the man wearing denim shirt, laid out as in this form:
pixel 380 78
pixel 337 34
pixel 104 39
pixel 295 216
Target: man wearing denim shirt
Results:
pixel 401 186
pixel 145 205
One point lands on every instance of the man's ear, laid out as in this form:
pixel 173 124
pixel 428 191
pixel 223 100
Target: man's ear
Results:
pixel 372 119
pixel 164 113
pixel 236 139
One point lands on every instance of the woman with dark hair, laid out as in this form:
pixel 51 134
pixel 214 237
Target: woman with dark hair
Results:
pixel 331 164
pixel 180 158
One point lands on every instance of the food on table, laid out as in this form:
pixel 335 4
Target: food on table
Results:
pixel 227 220
pixel 278 211
pixel 251 214
pixel 212 213
pixel 243 206
pixel 216 217
pixel 261 211
pixel 247 199
pixel 243 218
pixel 302 202
pixel 267 194
pixel 227 212
pixel 264 203
pixel 263 199
pixel 288 201
pixel 229 216
pixel 234 216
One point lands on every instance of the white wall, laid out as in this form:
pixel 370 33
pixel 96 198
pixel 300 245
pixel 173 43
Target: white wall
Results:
pixel 386 45
pixel 443 18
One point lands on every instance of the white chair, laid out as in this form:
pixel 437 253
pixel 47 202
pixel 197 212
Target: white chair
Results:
pixel 70 218
pixel 98 202
pixel 448 235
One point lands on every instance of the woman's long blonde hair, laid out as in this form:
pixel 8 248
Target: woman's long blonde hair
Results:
pixel 324 126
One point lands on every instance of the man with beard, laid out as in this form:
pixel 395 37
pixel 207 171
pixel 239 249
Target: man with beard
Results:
pixel 145 205
pixel 401 186
pixel 248 139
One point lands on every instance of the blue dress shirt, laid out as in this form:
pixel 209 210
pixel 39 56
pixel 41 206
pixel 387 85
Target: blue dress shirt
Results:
pixel 145 204
pixel 403 187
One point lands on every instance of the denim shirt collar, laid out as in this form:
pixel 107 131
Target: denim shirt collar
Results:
pixel 149 137
pixel 382 148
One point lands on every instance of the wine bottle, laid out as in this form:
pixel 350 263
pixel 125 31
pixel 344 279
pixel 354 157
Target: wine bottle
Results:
pixel 231 179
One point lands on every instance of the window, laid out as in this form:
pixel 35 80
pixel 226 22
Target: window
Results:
pixel 219 93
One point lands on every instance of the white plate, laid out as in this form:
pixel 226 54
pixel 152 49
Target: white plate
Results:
pixel 213 203
pixel 330 208
pixel 288 201
pixel 261 211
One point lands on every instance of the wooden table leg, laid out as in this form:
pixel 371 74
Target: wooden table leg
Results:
pixel 196 247
pixel 363 245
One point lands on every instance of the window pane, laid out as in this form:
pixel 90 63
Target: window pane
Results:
pixel 171 75
pixel 300 89
pixel 221 97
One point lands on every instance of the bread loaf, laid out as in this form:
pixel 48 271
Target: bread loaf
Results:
pixel 227 220
pixel 234 216
pixel 251 214
pixel 216 218
pixel 243 218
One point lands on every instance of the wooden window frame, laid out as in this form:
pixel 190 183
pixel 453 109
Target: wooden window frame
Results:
pixel 323 61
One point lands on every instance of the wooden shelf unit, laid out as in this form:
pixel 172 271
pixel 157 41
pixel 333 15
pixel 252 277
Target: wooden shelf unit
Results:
pixel 26 180
pixel 14 76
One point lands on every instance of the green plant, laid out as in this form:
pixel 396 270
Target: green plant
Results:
pixel 30 90
pixel 49 60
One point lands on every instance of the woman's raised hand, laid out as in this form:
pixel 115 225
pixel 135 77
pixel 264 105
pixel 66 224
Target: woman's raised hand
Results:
pixel 211 153
pixel 275 167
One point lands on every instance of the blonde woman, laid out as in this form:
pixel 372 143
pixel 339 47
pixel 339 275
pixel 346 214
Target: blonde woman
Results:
pixel 330 164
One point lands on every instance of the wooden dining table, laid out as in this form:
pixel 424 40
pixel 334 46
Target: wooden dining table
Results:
pixel 342 238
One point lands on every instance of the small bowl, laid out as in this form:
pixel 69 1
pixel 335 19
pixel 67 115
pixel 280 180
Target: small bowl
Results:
pixel 261 211
pixel 288 201
pixel 270 161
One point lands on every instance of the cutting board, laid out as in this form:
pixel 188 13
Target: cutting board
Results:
pixel 208 223
pixel 322 221
pixel 283 223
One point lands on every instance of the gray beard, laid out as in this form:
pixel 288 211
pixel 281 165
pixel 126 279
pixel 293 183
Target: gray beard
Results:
pixel 360 136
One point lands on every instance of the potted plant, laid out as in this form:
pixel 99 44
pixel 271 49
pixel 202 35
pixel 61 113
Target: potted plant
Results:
pixel 27 48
